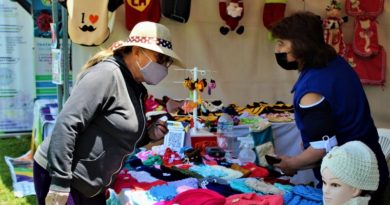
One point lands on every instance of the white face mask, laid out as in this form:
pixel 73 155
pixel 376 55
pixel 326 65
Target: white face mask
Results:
pixel 336 192
pixel 153 72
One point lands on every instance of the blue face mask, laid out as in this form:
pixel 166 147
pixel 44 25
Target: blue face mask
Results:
pixel 153 72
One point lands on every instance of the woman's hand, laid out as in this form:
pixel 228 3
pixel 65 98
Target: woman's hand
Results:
pixel 285 165
pixel 56 198
pixel 157 130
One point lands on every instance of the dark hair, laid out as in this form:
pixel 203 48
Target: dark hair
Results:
pixel 304 30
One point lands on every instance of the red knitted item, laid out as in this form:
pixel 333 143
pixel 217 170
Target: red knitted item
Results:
pixel 365 39
pixel 273 12
pixel 141 10
pixel 371 70
pixel 125 180
pixel 364 7
pixel 256 170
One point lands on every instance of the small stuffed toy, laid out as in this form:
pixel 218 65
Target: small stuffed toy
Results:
pixel 231 13
pixel 333 33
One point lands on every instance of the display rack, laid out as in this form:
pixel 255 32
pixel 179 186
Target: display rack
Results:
pixel 195 74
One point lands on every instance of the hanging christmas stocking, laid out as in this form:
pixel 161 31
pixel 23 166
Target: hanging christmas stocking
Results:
pixel 178 10
pixel 365 39
pixel 371 70
pixel 273 11
pixel 141 10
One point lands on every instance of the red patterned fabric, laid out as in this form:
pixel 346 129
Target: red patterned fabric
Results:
pixel 364 7
pixel 141 10
pixel 273 11
pixel 371 70
pixel 365 39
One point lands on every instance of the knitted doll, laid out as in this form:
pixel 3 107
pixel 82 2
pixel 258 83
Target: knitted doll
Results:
pixel 333 33
pixel 348 171
pixel 231 13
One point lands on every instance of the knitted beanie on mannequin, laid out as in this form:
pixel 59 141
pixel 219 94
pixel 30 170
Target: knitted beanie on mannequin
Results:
pixel 355 164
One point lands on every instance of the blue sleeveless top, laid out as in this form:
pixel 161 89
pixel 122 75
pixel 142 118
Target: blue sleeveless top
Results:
pixel 351 116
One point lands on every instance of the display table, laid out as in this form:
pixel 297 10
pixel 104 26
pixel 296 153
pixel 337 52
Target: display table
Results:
pixel 287 141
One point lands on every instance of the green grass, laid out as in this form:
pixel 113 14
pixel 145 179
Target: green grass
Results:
pixel 13 147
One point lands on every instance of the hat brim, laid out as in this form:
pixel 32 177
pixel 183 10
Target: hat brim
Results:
pixel 166 51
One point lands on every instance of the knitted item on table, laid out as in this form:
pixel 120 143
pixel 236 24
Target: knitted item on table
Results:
pixel 254 199
pixel 256 170
pixel 207 171
pixel 303 195
pixel 162 192
pixel 171 174
pixel 126 181
pixel 203 182
pixel 230 173
pixel 171 158
pixel 240 185
pixel 222 189
pixel 245 172
pixel 128 196
pixel 153 160
pixel 144 155
pixel 112 198
pixel 198 197
pixel 355 164
pixel 284 187
pixel 262 187
pixel 142 176
pixel 189 182
pixel 187 172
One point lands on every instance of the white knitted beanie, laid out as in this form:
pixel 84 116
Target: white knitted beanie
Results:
pixel 355 164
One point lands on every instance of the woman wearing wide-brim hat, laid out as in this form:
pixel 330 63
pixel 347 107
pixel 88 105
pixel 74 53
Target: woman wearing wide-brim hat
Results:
pixel 103 120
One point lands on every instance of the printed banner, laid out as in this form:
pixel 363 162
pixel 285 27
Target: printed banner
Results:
pixel 17 88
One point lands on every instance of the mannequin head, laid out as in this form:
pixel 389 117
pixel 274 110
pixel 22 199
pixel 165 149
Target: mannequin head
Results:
pixel 347 171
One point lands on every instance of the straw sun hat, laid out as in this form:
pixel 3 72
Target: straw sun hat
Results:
pixel 152 36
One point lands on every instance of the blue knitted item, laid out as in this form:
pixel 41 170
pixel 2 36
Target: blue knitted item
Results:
pixel 207 171
pixel 162 192
pixel 112 199
pixel 239 185
pixel 303 195
pixel 191 182
pixel 308 192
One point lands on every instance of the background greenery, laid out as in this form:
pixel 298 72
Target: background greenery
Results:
pixel 13 147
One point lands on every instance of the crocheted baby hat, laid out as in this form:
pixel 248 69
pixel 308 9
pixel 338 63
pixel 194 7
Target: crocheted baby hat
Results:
pixel 355 164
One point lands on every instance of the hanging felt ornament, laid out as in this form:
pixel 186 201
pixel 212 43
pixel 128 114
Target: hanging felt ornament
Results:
pixel 142 10
pixel 365 40
pixel 333 33
pixel 273 11
pixel 212 85
pixel 89 21
pixel 231 13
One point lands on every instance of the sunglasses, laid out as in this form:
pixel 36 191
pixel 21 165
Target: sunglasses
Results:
pixel 164 60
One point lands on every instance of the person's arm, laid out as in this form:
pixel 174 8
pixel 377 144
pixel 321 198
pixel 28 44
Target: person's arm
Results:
pixel 89 97
pixel 316 115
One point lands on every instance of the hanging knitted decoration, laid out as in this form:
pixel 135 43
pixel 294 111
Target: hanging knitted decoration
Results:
pixel 333 33
pixel 88 20
pixel 231 12
pixel 365 40
pixel 364 7
pixel 177 10
pixel 273 11
pixel 371 70
pixel 141 10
